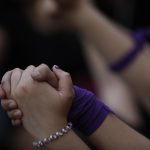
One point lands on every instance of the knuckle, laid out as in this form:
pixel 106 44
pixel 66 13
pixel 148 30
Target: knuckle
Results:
pixel 16 70
pixel 22 88
pixel 30 67
pixel 5 105
pixel 44 65
pixel 66 75
pixel 5 77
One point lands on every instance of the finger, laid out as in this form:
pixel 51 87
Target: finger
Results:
pixel 26 75
pixel 16 122
pixel 14 114
pixel 43 73
pixel 50 7
pixel 6 83
pixel 9 104
pixel 15 79
pixel 2 93
pixel 65 82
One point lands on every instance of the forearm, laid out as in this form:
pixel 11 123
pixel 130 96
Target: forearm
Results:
pixel 111 88
pixel 43 130
pixel 68 142
pixel 111 40
pixel 113 43
pixel 137 75
pixel 114 134
pixel 105 131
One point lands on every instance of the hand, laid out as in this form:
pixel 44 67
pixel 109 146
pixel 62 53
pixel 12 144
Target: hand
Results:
pixel 40 99
pixel 41 73
pixel 54 14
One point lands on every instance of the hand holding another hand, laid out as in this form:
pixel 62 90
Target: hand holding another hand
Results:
pixel 43 106
pixel 42 73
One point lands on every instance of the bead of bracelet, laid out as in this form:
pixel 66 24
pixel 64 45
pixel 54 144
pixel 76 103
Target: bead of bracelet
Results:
pixel 41 143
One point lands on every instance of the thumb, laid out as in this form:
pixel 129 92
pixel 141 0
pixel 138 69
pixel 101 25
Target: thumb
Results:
pixel 65 86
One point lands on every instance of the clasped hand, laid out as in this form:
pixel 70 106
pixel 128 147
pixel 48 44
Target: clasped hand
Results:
pixel 45 105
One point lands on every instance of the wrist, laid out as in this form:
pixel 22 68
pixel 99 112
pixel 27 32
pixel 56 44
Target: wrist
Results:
pixel 52 137
pixel 44 128
pixel 87 112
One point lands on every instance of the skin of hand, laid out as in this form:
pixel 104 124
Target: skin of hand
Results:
pixel 42 73
pixel 38 99
pixel 53 14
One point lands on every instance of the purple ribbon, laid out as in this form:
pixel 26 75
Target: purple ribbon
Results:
pixel 87 112
pixel 139 39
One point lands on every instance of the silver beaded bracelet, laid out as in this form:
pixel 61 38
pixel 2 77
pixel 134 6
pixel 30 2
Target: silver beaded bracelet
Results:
pixel 41 143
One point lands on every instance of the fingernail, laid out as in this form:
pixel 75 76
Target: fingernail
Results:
pixel 56 67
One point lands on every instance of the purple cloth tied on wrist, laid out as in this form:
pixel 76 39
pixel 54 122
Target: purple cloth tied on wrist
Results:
pixel 139 38
pixel 87 112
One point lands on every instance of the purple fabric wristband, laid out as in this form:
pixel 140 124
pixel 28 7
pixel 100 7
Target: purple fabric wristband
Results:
pixel 139 39
pixel 87 112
